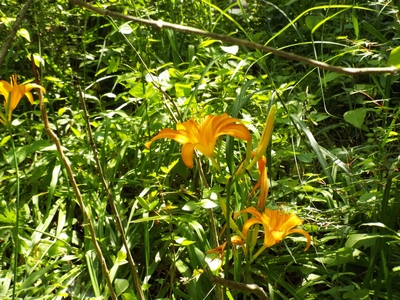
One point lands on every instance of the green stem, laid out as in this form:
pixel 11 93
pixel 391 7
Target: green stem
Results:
pixel 228 231
pixel 16 229
pixel 257 254
pixel 206 185
pixel 215 164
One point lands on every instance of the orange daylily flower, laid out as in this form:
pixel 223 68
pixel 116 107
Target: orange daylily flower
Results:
pixel 277 225
pixel 203 136
pixel 13 93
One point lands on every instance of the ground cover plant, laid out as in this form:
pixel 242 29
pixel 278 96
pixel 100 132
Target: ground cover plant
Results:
pixel 146 160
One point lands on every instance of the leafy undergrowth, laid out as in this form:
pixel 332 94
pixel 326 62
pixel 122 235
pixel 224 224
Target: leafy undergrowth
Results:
pixel 332 160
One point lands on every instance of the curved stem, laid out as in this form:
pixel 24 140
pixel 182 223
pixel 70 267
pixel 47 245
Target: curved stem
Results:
pixel 16 229
pixel 114 209
pixel 77 191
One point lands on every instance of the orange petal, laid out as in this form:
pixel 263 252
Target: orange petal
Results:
pixel 305 233
pixel 251 210
pixel 187 154
pixel 206 149
pixel 167 133
pixel 237 240
pixel 269 239
pixel 248 224
pixel 5 88
pixel 236 130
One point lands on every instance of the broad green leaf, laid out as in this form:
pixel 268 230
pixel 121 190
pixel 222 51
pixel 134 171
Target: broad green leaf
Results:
pixel 304 157
pixel 190 206
pixel 206 203
pixel 230 49
pixel 312 21
pixel 39 61
pixel 20 155
pixel 24 33
pixel 394 58
pixel 129 295
pixel 361 240
pixel 125 29
pixel 356 117
pixel 120 286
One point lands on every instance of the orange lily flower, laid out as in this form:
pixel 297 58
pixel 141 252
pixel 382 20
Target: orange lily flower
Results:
pixel 203 136
pixel 277 225
pixel 13 93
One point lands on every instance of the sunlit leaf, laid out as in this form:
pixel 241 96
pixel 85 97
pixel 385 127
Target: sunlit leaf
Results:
pixel 24 33
pixel 356 117
pixel 394 58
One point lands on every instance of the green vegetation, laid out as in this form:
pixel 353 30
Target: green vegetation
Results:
pixel 69 211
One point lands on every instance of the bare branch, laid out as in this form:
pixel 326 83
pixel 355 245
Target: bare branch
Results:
pixel 228 39
pixel 13 32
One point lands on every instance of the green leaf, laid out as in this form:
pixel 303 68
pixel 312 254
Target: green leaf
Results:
pixel 361 240
pixel 39 61
pixel 356 117
pixel 121 285
pixel 125 29
pixel 113 66
pixel 20 155
pixel 190 206
pixel 183 89
pixel 207 203
pixel 394 58
pixel 230 49
pixel 208 43
pixel 129 295
pixel 312 21
pixel 5 140
pixel 357 294
pixel 355 23
pixel 24 33
pixel 373 31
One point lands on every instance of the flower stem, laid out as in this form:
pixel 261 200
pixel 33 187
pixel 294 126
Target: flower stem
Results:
pixel 215 164
pixel 257 254
pixel 16 229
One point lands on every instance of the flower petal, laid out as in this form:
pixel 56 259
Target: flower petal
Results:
pixel 29 96
pixel 251 210
pixel 269 239
pixel 187 154
pixel 236 130
pixel 206 149
pixel 250 222
pixel 177 135
pixel 305 233
pixel 5 88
